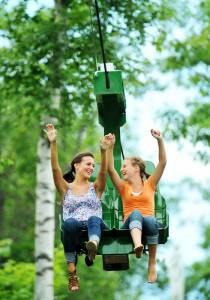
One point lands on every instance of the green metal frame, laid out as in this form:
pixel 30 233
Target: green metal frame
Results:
pixel 112 115
pixel 116 243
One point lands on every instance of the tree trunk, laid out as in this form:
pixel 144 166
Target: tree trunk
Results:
pixel 45 219
pixel 176 274
pixel 44 239
pixel 45 192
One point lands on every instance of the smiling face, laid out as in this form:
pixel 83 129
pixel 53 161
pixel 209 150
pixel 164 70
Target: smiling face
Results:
pixel 128 170
pixel 86 167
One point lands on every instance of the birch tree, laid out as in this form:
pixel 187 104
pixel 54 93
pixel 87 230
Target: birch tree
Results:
pixel 45 190
pixel 45 218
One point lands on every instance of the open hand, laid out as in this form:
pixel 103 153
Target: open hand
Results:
pixel 51 132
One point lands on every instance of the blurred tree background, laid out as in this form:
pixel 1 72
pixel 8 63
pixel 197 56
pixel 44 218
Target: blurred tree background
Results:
pixel 40 53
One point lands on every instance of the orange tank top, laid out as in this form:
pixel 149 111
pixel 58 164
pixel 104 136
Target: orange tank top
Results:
pixel 144 202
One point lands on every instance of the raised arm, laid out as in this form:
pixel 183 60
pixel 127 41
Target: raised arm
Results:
pixel 162 156
pixel 60 183
pixel 101 177
pixel 117 181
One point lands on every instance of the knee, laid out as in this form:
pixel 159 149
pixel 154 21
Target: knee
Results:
pixel 94 219
pixel 69 225
pixel 135 220
pixel 151 226
pixel 136 215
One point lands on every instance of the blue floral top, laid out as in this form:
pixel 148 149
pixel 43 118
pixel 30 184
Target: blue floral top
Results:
pixel 82 207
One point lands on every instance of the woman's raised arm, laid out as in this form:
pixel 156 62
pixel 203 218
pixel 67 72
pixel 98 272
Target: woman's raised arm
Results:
pixel 60 183
pixel 101 177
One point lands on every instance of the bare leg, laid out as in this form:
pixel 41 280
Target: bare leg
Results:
pixel 152 273
pixel 136 234
pixel 71 267
pixel 73 280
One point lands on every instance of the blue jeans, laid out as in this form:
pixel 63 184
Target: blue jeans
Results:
pixel 148 225
pixel 71 229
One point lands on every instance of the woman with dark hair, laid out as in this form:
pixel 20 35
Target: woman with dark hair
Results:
pixel 80 200
pixel 137 191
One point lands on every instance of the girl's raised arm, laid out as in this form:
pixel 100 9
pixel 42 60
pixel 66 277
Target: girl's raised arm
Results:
pixel 117 181
pixel 162 156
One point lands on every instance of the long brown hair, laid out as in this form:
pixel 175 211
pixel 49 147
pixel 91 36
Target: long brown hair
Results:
pixel 137 161
pixel 70 175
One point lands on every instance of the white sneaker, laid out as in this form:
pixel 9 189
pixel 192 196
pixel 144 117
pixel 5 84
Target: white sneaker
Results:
pixel 91 247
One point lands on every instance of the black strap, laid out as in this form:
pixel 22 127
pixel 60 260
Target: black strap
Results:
pixel 93 35
pixel 123 156
pixel 102 45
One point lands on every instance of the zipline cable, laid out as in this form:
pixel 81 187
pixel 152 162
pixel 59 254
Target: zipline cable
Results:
pixel 103 54
pixel 102 45
pixel 93 35
pixel 123 156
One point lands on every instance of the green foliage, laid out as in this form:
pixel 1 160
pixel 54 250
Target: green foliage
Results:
pixel 206 243
pixel 193 126
pixel 188 55
pixel 19 147
pixel 5 250
pixel 17 281
pixel 30 71
pixel 198 280
pixel 4 164
pixel 95 283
